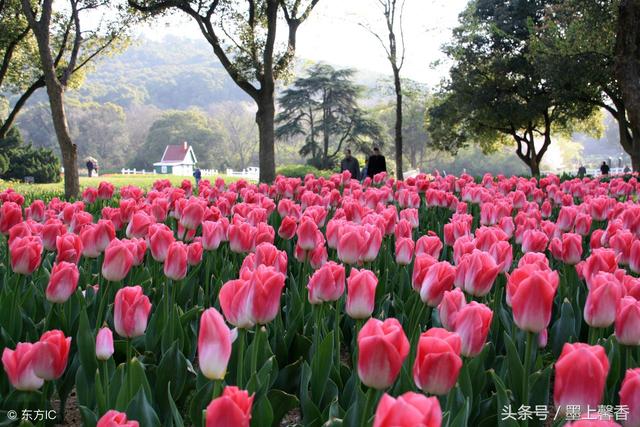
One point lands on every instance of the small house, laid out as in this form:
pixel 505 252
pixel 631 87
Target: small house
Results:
pixel 177 160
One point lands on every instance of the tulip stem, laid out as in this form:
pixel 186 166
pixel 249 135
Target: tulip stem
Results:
pixel 105 382
pixel 254 352
pixel 367 414
pixel 336 331
pixel 128 370
pixel 217 388
pixel 527 366
pixel 240 360
pixel 103 301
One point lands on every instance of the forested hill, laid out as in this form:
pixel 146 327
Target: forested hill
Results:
pixel 175 73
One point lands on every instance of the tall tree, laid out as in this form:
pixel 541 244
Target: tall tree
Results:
pixel 495 91
pixel 575 49
pixel 57 72
pixel 244 36
pixel 394 48
pixel 323 107
pixel 627 70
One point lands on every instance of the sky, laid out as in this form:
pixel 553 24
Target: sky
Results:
pixel 333 34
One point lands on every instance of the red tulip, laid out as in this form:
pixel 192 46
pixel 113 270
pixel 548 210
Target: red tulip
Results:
pixel 194 253
pixel 138 248
pixel 214 345
pixel 25 254
pixel 10 215
pixel 361 293
pixel 472 323
pixel 175 265
pixel 583 224
pixel 408 410
pixel 621 243
pixel 372 238
pixel 19 366
pixel 69 247
pixel 534 241
pixel 232 409
pixel 327 283
pixel 630 396
pixel 131 312
pixel 628 321
pixel 452 302
pixel 600 260
pixel 51 355
pixel 288 228
pixel 581 375
pixel 104 344
pixel 118 260
pixel 113 418
pixel 160 209
pixel 382 348
pixel 351 246
pixel 476 273
pixel 502 253
pixel 602 301
pixel 160 237
pixel 264 233
pixel 634 256
pixel 105 190
pixel 63 282
pixel 404 250
pixel 566 218
pixel 536 258
pixel 463 246
pixel 50 232
pixel 266 286
pixel 438 279
pixel 532 300
pixel 568 250
pixel 236 302
pixel 438 361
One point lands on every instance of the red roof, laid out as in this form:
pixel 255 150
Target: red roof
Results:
pixel 175 153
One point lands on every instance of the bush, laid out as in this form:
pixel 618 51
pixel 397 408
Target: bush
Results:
pixel 18 161
pixel 299 171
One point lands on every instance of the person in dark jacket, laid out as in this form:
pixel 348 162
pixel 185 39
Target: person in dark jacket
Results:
pixel 604 168
pixel 89 168
pixel 377 163
pixel 351 164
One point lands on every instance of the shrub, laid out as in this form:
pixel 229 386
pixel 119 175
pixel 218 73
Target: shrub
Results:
pixel 25 160
pixel 299 171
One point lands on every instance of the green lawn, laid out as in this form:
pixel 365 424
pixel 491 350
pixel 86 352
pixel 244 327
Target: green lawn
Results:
pixel 48 191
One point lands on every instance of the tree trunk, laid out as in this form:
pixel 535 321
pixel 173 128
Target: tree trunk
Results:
pixel 266 132
pixel 68 149
pixel 534 166
pixel 627 69
pixel 398 87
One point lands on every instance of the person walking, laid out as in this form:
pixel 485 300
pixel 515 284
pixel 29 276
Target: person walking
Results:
pixel 197 174
pixel 351 164
pixel 90 168
pixel 604 168
pixel 582 171
pixel 377 163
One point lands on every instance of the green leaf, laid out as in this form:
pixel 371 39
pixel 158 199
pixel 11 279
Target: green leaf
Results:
pixel 503 401
pixel 462 419
pixel 199 402
pixel 321 365
pixel 262 413
pixel 137 381
pixel 175 414
pixel 516 370
pixel 563 330
pixel 89 419
pixel 87 346
pixel 281 403
pixel 172 369
pixel 310 412
pixel 141 410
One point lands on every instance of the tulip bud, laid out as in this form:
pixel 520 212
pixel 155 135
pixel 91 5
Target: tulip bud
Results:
pixel 628 322
pixel 233 408
pixel 19 366
pixel 51 355
pixel 214 345
pixel 472 323
pixel 438 279
pixel 175 265
pixel 404 250
pixel 104 344
pixel 131 312
pixel 26 253
pixel 382 348
pixel 327 283
pixel 361 293
pixel 438 361
pixel 408 410
pixel 630 396
pixel 118 260
pixel 113 418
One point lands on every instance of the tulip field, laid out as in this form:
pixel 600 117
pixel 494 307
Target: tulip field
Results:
pixel 434 301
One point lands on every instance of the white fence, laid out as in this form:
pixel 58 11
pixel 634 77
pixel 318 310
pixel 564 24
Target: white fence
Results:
pixel 251 172
pixel 134 171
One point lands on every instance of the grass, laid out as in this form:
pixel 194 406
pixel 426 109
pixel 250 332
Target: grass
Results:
pixel 48 191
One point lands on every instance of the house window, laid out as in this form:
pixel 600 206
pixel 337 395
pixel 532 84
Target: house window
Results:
pixel 163 169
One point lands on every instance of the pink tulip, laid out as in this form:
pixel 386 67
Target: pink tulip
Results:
pixel 51 355
pixel 175 265
pixel 192 214
pixel 404 250
pixel 452 302
pixel 472 323
pixel 327 283
pixel 476 273
pixel 630 396
pixel 382 348
pixel 19 366
pixel 50 232
pixel 438 279
pixel 532 300
pixel 25 254
pixel 241 237
pixel 214 345
pixel 63 282
pixel 113 418
pixel 232 409
pixel 430 245
pixel 69 247
pixel 534 241
pixel 634 256
pixel 627 323
pixel 438 361
pixel 307 234
pixel 408 410
pixel 213 233
pixel 581 374
pixel 139 225
pixel 266 285
pixel 194 253
pixel 351 246
pixel 131 312
pixel 420 267
pixel 236 302
pixel 361 293
pixel 160 237
pixel 104 344
pixel 10 215
pixel 602 301
pixel 118 260
pixel 288 228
